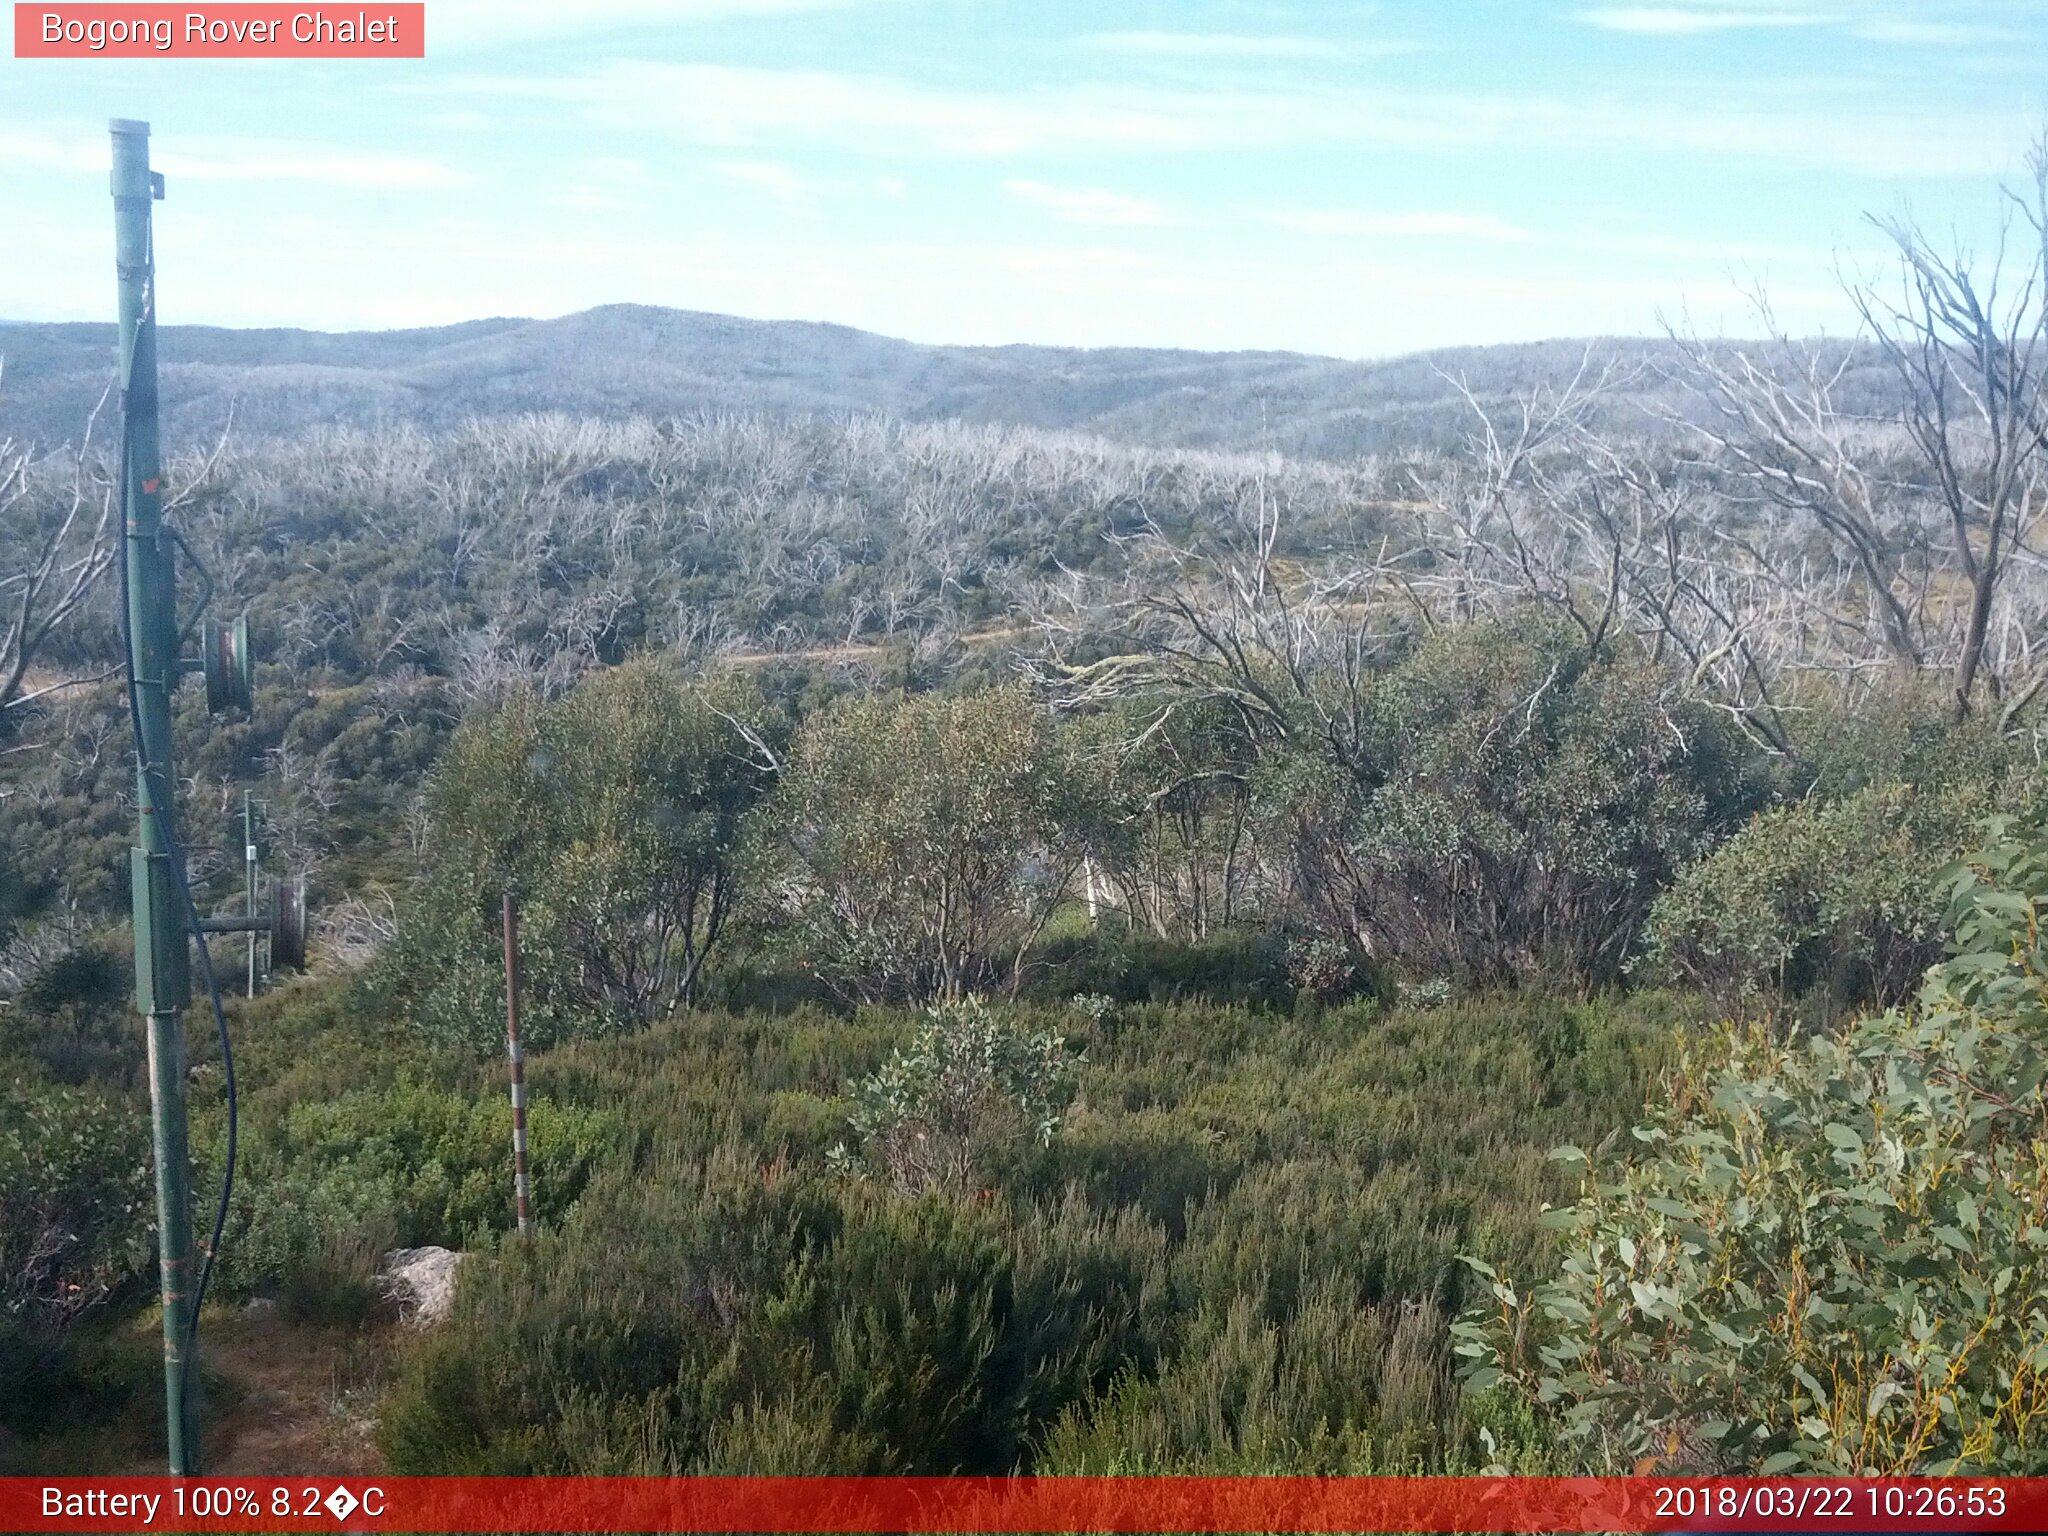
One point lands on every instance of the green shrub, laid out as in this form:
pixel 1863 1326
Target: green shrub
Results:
pixel 1345 1229
pixel 712 1316
pixel 917 846
pixel 614 815
pixel 702 1295
pixel 1149 1162
pixel 76 1210
pixel 334 1281
pixel 72 1019
pixel 77 1229
pixel 69 1399
pixel 1332 1389
pixel 619 1309
pixel 718 1301
pixel 357 1135
pixel 1831 1256
pixel 1835 896
pixel 1906 732
pixel 1249 966
pixel 327 1184
pixel 1505 806
pixel 969 1079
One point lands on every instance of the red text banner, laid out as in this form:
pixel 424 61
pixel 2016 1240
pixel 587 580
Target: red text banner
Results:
pixel 1015 1505
pixel 233 31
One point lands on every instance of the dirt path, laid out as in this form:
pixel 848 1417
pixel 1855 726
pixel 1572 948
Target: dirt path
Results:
pixel 861 650
pixel 291 1401
pixel 303 1401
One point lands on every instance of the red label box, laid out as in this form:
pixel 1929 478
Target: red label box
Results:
pixel 373 30
pixel 996 1506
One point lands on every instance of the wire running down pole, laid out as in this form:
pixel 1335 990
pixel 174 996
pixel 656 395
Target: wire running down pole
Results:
pixel 521 1190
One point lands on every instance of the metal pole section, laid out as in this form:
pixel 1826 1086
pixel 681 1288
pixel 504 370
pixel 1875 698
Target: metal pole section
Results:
pixel 249 878
pixel 162 986
pixel 521 1190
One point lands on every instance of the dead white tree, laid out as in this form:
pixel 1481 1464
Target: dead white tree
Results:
pixel 1545 511
pixel 57 525
pixel 1933 509
pixel 1972 352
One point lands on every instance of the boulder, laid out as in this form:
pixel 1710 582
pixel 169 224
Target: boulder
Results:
pixel 421 1283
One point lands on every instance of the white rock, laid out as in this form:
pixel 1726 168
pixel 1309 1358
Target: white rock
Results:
pixel 422 1283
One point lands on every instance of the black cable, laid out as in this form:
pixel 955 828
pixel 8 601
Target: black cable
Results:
pixel 164 806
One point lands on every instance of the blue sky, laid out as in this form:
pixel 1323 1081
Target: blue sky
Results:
pixel 1348 178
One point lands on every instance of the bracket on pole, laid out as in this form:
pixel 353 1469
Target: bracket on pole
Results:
pixel 284 924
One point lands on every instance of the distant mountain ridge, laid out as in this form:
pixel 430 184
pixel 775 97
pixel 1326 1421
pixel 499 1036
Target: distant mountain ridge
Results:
pixel 625 359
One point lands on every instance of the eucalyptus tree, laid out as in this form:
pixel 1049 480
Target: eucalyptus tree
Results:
pixel 615 816
pixel 919 845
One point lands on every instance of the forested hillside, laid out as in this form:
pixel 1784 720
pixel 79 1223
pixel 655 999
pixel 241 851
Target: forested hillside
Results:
pixel 631 360
pixel 1066 950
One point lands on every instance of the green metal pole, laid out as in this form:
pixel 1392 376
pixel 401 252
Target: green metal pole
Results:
pixel 249 877
pixel 162 983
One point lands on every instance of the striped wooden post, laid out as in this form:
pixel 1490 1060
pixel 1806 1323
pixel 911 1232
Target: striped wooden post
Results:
pixel 521 1190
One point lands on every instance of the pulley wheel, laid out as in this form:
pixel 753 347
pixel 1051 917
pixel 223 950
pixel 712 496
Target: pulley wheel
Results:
pixel 229 665
pixel 288 924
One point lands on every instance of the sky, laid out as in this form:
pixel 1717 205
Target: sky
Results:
pixel 1351 179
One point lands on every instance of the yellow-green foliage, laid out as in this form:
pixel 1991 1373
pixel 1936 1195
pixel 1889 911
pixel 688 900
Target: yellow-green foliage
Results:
pixel 1832 1256
pixel 1839 895
pixel 357 1137
pixel 76 1237
pixel 919 845
pixel 1241 1239
pixel 613 816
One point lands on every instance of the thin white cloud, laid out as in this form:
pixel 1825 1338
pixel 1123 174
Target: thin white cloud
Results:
pixel 1455 226
pixel 459 120
pixel 225 160
pixel 730 105
pixel 1932 34
pixel 1894 24
pixel 1693 250
pixel 788 111
pixel 1243 45
pixel 1088 205
pixel 1685 21
pixel 591 200
pixel 778 181
pixel 1664 249
pixel 323 167
pixel 475 25
pixel 29 149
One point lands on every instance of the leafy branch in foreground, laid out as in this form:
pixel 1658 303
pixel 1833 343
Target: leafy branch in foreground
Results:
pixel 1832 1256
